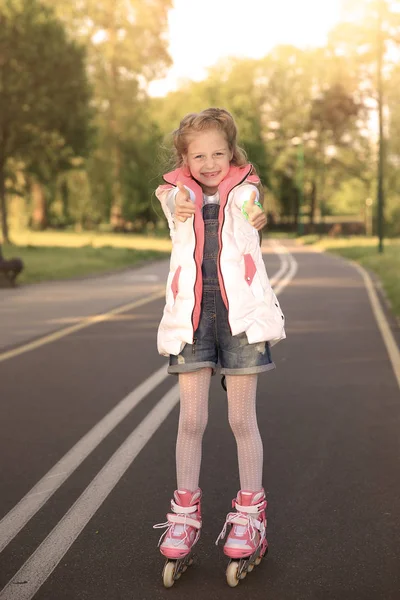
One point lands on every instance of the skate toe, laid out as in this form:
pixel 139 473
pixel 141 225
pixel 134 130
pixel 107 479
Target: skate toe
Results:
pixel 237 548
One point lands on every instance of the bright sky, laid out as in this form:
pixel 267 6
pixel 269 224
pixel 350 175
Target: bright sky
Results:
pixel 201 32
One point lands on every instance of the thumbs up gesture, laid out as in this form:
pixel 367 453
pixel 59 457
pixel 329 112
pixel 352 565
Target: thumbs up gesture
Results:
pixel 184 207
pixel 256 215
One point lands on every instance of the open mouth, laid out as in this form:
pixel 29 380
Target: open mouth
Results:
pixel 211 174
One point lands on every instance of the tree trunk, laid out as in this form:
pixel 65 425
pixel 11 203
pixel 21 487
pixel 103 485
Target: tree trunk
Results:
pixel 313 204
pixel 64 191
pixel 39 213
pixel 3 206
pixel 296 206
pixel 116 217
pixel 380 188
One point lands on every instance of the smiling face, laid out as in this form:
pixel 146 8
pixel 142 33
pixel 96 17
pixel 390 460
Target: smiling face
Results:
pixel 208 158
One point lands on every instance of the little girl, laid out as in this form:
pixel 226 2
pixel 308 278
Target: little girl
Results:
pixel 220 312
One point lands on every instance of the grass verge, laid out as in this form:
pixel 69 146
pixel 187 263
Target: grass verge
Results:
pixel 46 263
pixel 72 239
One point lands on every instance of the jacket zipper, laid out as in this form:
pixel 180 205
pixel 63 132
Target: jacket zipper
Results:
pixel 219 258
pixel 220 249
pixel 195 280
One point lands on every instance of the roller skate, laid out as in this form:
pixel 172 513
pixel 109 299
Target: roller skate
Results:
pixel 182 532
pixel 247 542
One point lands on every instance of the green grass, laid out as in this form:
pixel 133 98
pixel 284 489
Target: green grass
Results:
pixel 364 251
pixel 72 239
pixel 53 255
pixel 279 235
pixel 45 263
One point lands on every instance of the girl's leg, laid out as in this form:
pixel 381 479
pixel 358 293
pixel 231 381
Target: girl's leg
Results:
pixel 243 421
pixel 247 537
pixel 194 389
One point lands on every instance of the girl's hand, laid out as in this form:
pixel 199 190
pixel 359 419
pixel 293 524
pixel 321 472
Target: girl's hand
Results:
pixel 256 215
pixel 184 207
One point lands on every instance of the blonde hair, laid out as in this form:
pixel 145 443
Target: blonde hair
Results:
pixel 210 118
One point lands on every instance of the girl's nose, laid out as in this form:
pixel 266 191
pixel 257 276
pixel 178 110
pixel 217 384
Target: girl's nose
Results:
pixel 209 162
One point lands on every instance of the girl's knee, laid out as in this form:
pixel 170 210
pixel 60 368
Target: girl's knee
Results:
pixel 237 425
pixel 193 427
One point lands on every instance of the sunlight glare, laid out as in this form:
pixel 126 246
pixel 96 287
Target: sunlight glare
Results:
pixel 201 34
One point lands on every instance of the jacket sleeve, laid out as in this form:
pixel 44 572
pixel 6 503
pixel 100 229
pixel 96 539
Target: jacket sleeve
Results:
pixel 166 195
pixel 242 195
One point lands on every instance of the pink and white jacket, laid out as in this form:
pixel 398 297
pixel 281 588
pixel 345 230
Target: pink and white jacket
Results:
pixel 252 305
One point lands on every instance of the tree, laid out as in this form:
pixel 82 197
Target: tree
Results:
pixel 333 118
pixel 367 42
pixel 126 48
pixel 286 78
pixel 44 93
pixel 392 213
pixel 313 98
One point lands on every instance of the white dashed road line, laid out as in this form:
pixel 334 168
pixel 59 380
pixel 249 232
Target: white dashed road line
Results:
pixel 40 565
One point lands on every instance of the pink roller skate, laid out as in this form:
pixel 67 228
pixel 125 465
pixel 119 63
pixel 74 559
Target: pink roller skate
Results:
pixel 183 531
pixel 247 541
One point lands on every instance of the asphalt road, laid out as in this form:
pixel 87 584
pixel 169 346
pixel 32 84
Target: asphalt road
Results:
pixel 329 417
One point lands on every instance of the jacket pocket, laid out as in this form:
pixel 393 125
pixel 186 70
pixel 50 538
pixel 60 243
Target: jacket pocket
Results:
pixel 249 268
pixel 175 282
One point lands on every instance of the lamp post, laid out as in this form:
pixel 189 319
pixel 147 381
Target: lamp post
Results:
pixel 298 142
pixel 380 190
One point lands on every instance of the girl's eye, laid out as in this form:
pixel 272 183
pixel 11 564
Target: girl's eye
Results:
pixel 199 156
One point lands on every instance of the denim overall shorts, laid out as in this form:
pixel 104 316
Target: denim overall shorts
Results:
pixel 214 346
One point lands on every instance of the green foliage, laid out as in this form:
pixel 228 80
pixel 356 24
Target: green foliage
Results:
pixel 126 48
pixel 44 90
pixel 348 198
pixel 304 116
pixel 44 93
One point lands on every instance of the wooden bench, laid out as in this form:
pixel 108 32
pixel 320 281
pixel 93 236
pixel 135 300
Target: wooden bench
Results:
pixel 10 268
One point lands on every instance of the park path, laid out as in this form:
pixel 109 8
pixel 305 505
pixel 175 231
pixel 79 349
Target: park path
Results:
pixel 87 430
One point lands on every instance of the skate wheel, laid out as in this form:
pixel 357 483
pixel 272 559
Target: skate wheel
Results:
pixel 190 561
pixel 168 574
pixel 232 578
pixel 184 568
pixel 258 560
pixel 250 567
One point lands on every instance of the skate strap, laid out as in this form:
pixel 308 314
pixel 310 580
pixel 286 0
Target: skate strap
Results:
pixel 251 510
pixel 238 519
pixel 249 522
pixel 186 510
pixel 179 520
pixel 183 520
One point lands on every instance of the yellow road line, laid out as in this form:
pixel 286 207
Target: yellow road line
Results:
pixel 87 322
pixel 384 327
